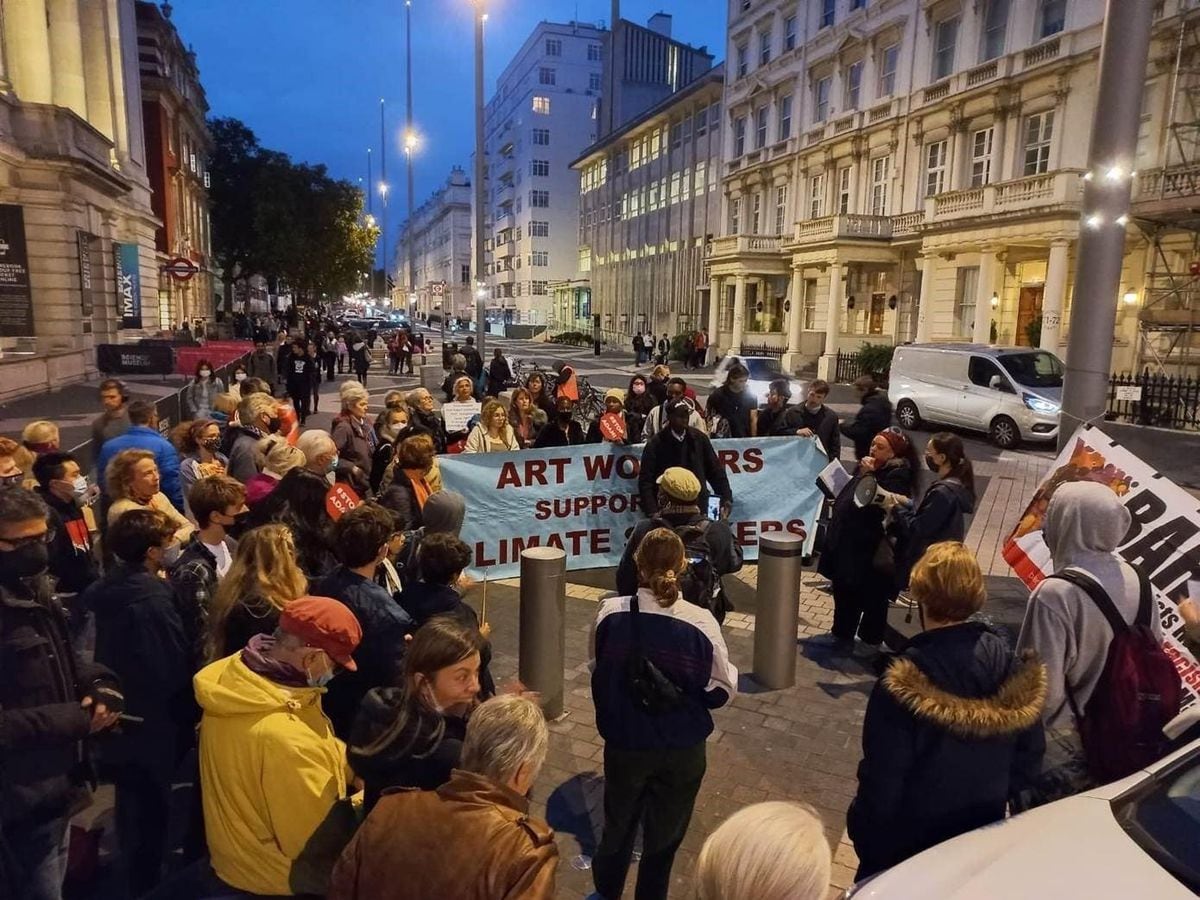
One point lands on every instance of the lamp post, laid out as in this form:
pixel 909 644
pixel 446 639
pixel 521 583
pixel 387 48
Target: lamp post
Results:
pixel 383 192
pixel 480 193
pixel 410 144
pixel 370 182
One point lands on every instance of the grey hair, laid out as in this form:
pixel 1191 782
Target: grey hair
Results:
pixel 18 505
pixel 768 851
pixel 314 443
pixel 254 406
pixel 458 361
pixel 351 392
pixel 504 734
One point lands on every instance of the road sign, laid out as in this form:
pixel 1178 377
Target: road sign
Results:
pixel 437 288
pixel 181 268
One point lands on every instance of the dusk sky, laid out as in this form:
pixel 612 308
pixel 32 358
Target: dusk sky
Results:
pixel 307 75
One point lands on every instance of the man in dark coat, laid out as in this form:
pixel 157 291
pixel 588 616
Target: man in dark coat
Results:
pixel 262 363
pixel 474 360
pixel 874 416
pixel 301 373
pixel 681 445
pixel 811 419
pixel 64 489
pixel 50 702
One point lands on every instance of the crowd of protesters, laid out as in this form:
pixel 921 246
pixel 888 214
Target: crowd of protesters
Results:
pixel 196 613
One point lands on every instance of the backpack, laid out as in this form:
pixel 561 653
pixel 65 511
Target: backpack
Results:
pixel 1138 692
pixel 699 582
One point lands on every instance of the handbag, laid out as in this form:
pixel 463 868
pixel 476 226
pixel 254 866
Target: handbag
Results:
pixel 652 691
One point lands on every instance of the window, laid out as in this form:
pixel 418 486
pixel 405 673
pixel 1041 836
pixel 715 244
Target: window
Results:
pixel 743 60
pixel 785 117
pixel 755 212
pixel 780 208
pixel 995 25
pixel 539 167
pixel 981 370
pixel 593 81
pixel 853 85
pixel 981 157
pixel 887 70
pixel 760 127
pixel 821 99
pixel 553 47
pixel 739 136
pixel 858 4
pixel 945 41
pixel 965 289
pixel 879 185
pixel 735 213
pixel 539 199
pixel 764 48
pixel 465 274
pixel 595 53
pixel 789 33
pixel 1039 130
pixel 1052 17
pixel 539 258
pixel 827 12
pixel 541 106
pixel 546 76
pixel 816 196
pixel 935 168
pixel 843 188
pixel 809 322
pixel 538 288
pixel 541 137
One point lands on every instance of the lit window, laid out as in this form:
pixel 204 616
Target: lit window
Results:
pixel 541 106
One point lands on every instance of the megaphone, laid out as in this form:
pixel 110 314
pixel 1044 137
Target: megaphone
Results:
pixel 865 491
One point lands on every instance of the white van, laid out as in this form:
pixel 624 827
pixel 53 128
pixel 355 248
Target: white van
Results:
pixel 1012 393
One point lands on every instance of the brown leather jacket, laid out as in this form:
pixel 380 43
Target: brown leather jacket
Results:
pixel 474 839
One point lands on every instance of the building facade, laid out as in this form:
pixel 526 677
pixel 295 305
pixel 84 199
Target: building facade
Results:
pixel 77 231
pixel 650 204
pixel 174 110
pixel 435 247
pixel 904 170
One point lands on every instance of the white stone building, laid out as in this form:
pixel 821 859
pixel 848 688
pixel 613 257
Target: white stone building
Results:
pixel 73 184
pixel 439 237
pixel 912 170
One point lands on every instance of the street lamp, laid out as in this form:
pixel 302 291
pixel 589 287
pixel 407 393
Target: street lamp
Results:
pixel 480 17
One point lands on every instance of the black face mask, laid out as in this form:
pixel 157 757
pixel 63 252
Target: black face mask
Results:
pixel 933 467
pixel 273 424
pixel 25 561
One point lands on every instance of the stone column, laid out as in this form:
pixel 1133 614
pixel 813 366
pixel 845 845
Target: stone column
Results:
pixel 792 359
pixel 27 37
pixel 716 294
pixel 66 50
pixel 96 68
pixel 739 313
pixel 924 313
pixel 1053 295
pixel 981 333
pixel 827 364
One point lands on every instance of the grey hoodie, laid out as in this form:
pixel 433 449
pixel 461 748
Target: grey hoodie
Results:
pixel 1084 524
pixel 444 511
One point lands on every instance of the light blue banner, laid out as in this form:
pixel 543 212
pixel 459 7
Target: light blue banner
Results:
pixel 129 285
pixel 585 499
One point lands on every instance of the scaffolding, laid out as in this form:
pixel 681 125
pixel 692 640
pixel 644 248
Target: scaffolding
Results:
pixel 1167 211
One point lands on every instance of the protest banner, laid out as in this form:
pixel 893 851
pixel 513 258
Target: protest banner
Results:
pixel 584 499
pixel 1163 541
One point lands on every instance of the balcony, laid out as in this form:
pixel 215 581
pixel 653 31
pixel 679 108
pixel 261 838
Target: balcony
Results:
pixel 1058 190
pixel 1166 192
pixel 504 249
pixel 54 132
pixel 746 245
pixel 506 276
pixel 848 227
pixel 907 224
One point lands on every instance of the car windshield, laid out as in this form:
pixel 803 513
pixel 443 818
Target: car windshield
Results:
pixel 1164 819
pixel 1036 369
pixel 763 369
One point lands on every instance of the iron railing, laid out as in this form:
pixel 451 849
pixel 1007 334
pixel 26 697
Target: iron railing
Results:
pixel 1163 401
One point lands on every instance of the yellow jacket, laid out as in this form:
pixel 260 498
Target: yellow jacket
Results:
pixel 271 770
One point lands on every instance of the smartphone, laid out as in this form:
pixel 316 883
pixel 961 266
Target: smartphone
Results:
pixel 714 508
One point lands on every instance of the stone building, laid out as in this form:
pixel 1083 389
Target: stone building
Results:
pixel 77 229
pixel 439 238
pixel 904 170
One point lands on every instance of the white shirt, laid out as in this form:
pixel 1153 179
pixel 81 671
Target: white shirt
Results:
pixel 223 556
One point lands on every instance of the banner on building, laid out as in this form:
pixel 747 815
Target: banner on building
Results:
pixel 584 499
pixel 129 285
pixel 16 295
pixel 86 303
pixel 1163 541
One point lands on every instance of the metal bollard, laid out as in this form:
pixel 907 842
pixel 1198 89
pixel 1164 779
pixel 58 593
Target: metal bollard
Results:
pixel 778 615
pixel 542 635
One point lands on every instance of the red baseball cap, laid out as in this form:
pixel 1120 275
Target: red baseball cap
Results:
pixel 326 624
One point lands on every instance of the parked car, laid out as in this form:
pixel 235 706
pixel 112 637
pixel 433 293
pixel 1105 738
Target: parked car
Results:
pixel 1137 837
pixel 763 370
pixel 1012 393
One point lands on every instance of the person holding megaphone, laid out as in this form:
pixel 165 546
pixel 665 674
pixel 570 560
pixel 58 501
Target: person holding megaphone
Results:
pixel 859 558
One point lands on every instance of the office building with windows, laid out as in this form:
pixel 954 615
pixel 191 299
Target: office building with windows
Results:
pixel 650 204
pixel 435 248
pixel 903 170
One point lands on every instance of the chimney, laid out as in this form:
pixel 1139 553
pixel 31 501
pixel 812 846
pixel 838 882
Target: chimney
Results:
pixel 660 23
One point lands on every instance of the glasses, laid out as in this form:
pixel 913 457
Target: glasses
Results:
pixel 17 543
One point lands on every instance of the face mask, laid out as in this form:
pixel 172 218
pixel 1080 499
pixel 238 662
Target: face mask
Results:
pixel 564 416
pixel 639 389
pixel 212 444
pixel 205 373
pixel 933 467
pixel 273 424
pixel 79 490
pixel 333 464
pixel 318 680
pixel 25 561
pixel 239 376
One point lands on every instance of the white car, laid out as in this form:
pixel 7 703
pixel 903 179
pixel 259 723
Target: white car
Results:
pixel 763 370
pixel 1135 838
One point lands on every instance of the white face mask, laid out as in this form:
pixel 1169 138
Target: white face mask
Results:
pixel 239 376
pixel 205 373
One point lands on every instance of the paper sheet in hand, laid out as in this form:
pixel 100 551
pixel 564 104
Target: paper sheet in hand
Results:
pixel 833 479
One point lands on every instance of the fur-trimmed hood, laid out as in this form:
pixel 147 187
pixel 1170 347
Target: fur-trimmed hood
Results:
pixel 964 680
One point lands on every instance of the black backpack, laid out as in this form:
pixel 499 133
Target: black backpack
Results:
pixel 699 583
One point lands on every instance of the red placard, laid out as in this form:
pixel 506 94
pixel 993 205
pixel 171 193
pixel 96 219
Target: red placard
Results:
pixel 612 426
pixel 340 499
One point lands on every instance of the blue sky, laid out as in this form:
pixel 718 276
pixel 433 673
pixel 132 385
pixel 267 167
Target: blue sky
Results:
pixel 307 75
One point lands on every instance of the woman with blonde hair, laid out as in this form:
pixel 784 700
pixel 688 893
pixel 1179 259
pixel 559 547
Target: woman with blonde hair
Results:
pixel 263 578
pixel 40 437
pixel 492 434
pixel 133 482
pixel 276 457
pixel 656 676
pixel 769 851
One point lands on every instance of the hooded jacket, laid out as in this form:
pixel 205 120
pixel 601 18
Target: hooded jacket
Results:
pixel 940 516
pixel 1084 524
pixel 474 837
pixel 951 731
pixel 270 772
pixel 874 415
